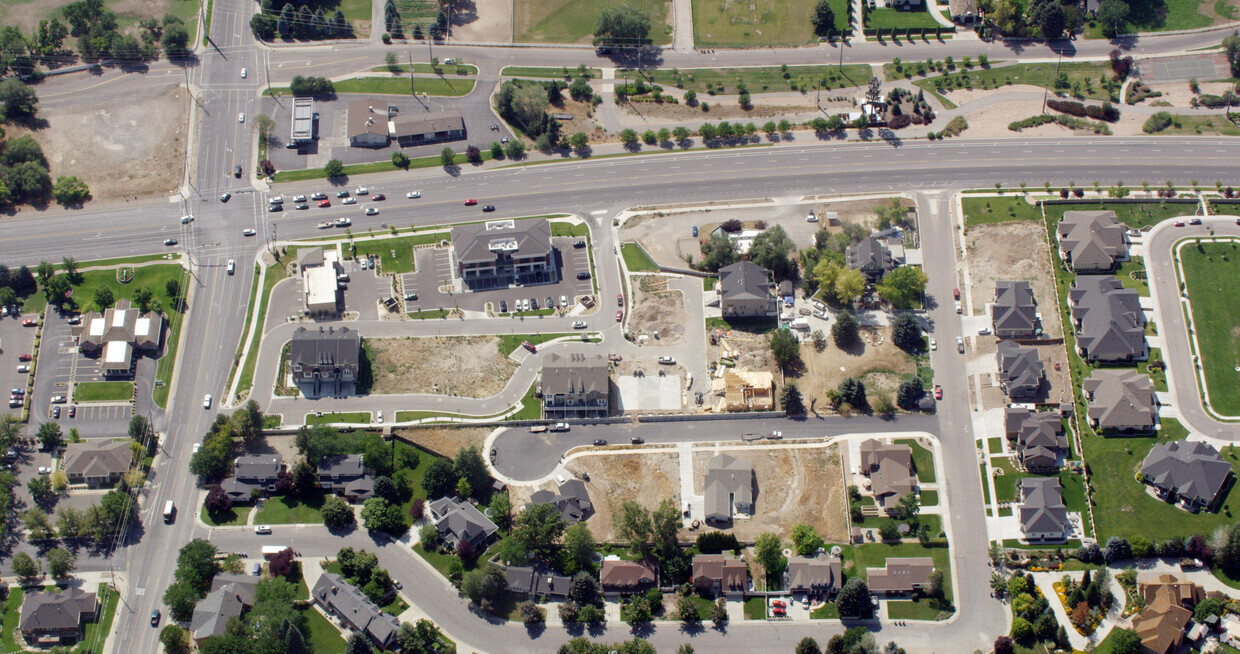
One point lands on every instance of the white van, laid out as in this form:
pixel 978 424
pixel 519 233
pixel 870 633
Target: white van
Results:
pixel 170 511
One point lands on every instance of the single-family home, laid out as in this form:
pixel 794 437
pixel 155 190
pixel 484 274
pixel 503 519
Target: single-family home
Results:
pixel 1021 372
pixel 1043 515
pixel 1091 241
pixel 818 577
pixel 1014 313
pixel 325 361
pixel 872 257
pixel 900 575
pixel 354 610
pixel 253 472
pixel 230 597
pixel 575 386
pixel 535 582
pixel 747 290
pixel 1169 602
pixel 96 464
pixel 890 469
pixel 346 475
pixel 1107 318
pixel 572 501
pixel 1040 439
pixel 728 488
pixel 458 521
pixel 1189 472
pixel 1120 400
pixel 619 577
pixel 720 574
pixel 57 618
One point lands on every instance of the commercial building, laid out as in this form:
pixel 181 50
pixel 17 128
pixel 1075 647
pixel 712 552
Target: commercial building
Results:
pixel 428 127
pixel 96 464
pixel 320 275
pixel 575 386
pixel 301 128
pixel 747 290
pixel 504 252
pixel 115 335
pixel 325 361
pixel 367 124
pixel 1190 473
pixel 728 488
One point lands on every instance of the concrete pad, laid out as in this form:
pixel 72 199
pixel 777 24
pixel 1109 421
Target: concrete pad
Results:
pixel 650 393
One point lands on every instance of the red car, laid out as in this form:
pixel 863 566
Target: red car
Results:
pixel 778 612
pixel 378 196
pixel 778 604
pixel 30 322
pixel 470 202
pixel 619 299
pixel 1179 223
pixel 23 357
pixel 619 316
pixel 529 346
pixel 956 293
pixel 938 392
pixel 325 203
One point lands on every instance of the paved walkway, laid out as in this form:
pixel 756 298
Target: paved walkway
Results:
pixel 682 26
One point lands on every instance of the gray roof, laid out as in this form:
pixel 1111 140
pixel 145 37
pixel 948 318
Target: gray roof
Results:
pixel 890 467
pixel 333 347
pixel 94 459
pixel 47 611
pixel 457 521
pixel 308 257
pixel 814 573
pixel 729 483
pixel 744 280
pixel 1120 399
pixel 448 120
pixel 576 374
pixel 900 574
pixel 1015 311
pixel 1091 240
pixel 573 501
pixel 871 256
pixel 212 614
pixel 238 490
pixel 367 116
pixel 342 466
pixel 258 466
pixel 483 242
pixel 1191 470
pixel 536 581
pixel 1020 370
pixel 1110 324
pixel 1042 510
pixel 347 602
pixel 362 487
pixel 1040 439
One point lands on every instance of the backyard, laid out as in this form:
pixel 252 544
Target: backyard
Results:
pixel 726 23
pixel 1211 275
pixel 322 636
pixel 573 21
pixel 237 516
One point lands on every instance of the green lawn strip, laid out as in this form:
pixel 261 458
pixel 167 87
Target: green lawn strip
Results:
pixel 428 314
pixel 531 407
pixel 1132 274
pixel 995 445
pixel 289 510
pixel 573 21
pixel 765 24
pixel 1133 214
pixel 828 611
pixel 985 482
pixel 322 637
pixel 1017 544
pixel 1159 17
pixel 755 608
pixel 639 153
pixel 561 228
pixel 274 274
pixel 884 18
pixel 1211 281
pixel 1182 125
pixel 206 32
pixel 303 591
pixel 445 70
pixel 396 606
pixel 874 555
pixel 12 614
pixel 396 85
pixel 993 210
pixel 756 80
pixel 929 498
pixel 918 609
pixel 109 391
pixel 97 631
pixel 923 461
pixel 145 258
pixel 540 72
pixel 349 417
pixel 636 259
pixel 236 516
pixel 374 167
pixel 1042 74
pixel 510 342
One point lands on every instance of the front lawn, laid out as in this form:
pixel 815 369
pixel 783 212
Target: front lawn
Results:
pixel 923 461
pixel 12 614
pixel 573 21
pixel 755 608
pixel 433 86
pixel 887 19
pixel 97 632
pixel 437 560
pixel 234 517
pixel 993 210
pixel 636 259
pixel 918 609
pixel 286 510
pixel 353 418
pixel 1212 281
pixel 764 22
pixel 875 555
pixel 1131 274
pixel 109 391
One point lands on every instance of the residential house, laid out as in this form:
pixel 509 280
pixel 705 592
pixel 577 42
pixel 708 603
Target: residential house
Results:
pixel 346 475
pixel 575 386
pixel 354 610
pixel 900 575
pixel 1169 602
pixel 1040 439
pixel 1014 313
pixel 744 390
pixel 503 252
pixel 366 123
pixel 96 464
pixel 1043 515
pixel 231 596
pixel 116 334
pixel 1120 400
pixel 1109 323
pixel 535 582
pixel 572 501
pixel 818 577
pixel 720 574
pixel 1091 241
pixel 619 577
pixel 963 12
pixel 325 361
pixel 418 128
pixel 747 290
pixel 728 488
pixel 459 521
pixel 872 257
pixel 1021 372
pixel 57 618
pixel 890 469
pixel 254 472
pixel 1188 472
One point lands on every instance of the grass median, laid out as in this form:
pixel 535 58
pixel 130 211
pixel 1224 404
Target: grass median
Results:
pixel 373 167
pixel 274 274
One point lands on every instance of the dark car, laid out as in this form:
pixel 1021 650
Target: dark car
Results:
pixel 155 618
pixel 583 275
pixel 503 306
pixel 170 241
pixel 579 243
pixel 56 413
pixel 489 208
pixel 378 196
pixel 637 440
pixel 236 171
pixel 303 205
pixel 343 194
pixel 599 442
pixel 272 208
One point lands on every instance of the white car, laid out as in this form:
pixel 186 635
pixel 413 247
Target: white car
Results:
pixel 241 118
pixel 343 222
pixel 232 266
pixel 23 368
pixel 362 190
pixel 413 195
pixel 934 345
pixel 262 529
pixel 187 219
pixel 667 361
pixel 370 211
pixel 563 302
pixel 299 198
pixel 43 470
pixel 249 232
pixel 811 218
pixel 579 324
pixel 379 418
pixel 197 446
pixel 349 200
pixel 58 399
pixel 242 73
pixel 206 401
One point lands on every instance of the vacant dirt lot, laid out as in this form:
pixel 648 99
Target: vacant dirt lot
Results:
pixel 483 21
pixel 465 366
pixel 795 485
pixel 647 479
pixel 750 350
pixel 658 309
pixel 1015 251
pixel 880 364
pixel 445 441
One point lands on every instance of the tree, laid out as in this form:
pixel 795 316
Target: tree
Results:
pixel 334 169
pixel 767 551
pixel 717 252
pixel 174 639
pixel 70 191
pixel 1117 549
pixel 687 610
pixel 849 285
pixel 440 479
pixel 104 298
pixel 484 585
pixel 908 507
pixel 180 597
pixel 175 38
pixel 824 18
pixel 36 522
pixel 1050 19
pixel 447 157
pixel 40 488
pixel 1125 641
pixel 468 465
pixel 888 531
pixel 50 436
pixel 70 523
pixel 584 588
pixel 784 347
pixel 60 563
pixel 515 149
pixel 681 133
pixel 854 599
pixel 25 567
pixel 18 100
pixel 1113 16
pixel 196 565
pixel 537 528
pixel 1004 645
pixel 845 331
pixel 217 503
pixel 281 564
pixel 806 540
pixel 379 514
pixel 790 399
pixel 579 141
pixel 910 393
pixel 501 510
pixel 621 26
pixel 902 286
pixel 634 527
pixel 629 137
pixel 906 334
pixel 579 546
pixel 808 645
pixel 770 249
pixel 358 644
pixel 337 514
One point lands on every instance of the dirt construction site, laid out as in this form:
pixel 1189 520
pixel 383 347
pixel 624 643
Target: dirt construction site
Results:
pixel 1012 251
pixel 647 478
pixel 875 359
pixel 445 441
pixel 657 309
pixel 466 366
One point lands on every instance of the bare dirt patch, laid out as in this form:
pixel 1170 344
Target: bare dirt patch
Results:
pixel 658 309
pixel 1178 94
pixel 122 151
pixel 467 366
pixel 483 21
pixel 876 359
pixel 1015 251
pixel 647 479
pixel 750 350
pixel 794 485
pixel 445 441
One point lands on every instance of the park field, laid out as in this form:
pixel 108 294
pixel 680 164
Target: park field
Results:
pixel 1211 272
pixel 573 21
pixel 725 23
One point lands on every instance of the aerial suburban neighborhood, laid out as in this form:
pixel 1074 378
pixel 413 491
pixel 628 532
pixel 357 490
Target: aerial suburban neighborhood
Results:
pixel 620 326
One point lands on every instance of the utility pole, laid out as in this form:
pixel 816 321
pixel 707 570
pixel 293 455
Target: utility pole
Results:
pixel 412 90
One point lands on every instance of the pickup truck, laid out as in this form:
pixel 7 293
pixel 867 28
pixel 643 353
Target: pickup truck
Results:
pixel 326 224
pixel 538 429
pixel 560 426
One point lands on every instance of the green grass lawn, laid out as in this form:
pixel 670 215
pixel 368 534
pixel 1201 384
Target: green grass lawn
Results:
pixel 875 556
pixel 396 606
pixel 993 210
pixel 1135 215
pixel 427 69
pixel 1160 16
pixel 322 637
pixel 755 608
pixel 573 21
pixel 274 274
pixel 1199 125
pixel 756 80
pixel 1007 486
pixel 1159 377
pixel 636 259
pixel 396 85
pixel 923 461
pixel 385 166
pixel 919 609
pixel 1042 74
pixel 995 445
pixel 144 258
pixel 539 72
pixel 437 560
pixel 289 510
pixel 97 632
pixel 109 391
pixel 764 22
pixel 382 250
pixel 828 611
pixel 429 314
pixel 1132 274
pixel 1212 279
pixel 929 498
pixel 353 417
pixel 561 228
pixel 236 516
pixel 12 614
pixel 884 18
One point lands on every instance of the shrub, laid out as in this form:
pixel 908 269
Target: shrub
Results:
pixel 901 121
pixel 1157 123
pixel 1067 107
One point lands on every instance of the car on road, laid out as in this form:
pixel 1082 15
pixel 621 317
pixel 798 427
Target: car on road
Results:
pixel 470 202
pixel 206 401
pixel 303 205
pixel 614 357
pixel 224 197
pixel 811 218
pixel 695 231
pixel 489 208
pixel 1194 221
pixel 29 322
pixel 960 344
pixel 236 171
pixel 318 195
pixel 197 446
pixel 377 197
pixel 599 442
pixel 56 413
pixel 938 392
pixel 241 118
pixel 637 440
pixel 262 529
pixel 349 201
pixel 155 618
pixel 934 345
pixel 326 224
pixel 579 324
pixel 187 219
pixel 249 232
pixel 277 199
pixel 667 361
pixel 583 275
pixel 73 411
pixel 1179 223
pixel 299 198
pixel 503 139
pixel 23 357
pixel 343 193
pixel 232 266
pixel 23 368
pixel 323 204
pixel 170 241
pixel 494 127
pixel 343 222
pixel 272 208
pixel 242 73
pixel 529 346
pixel 370 211
pixel 413 195
pixel 362 190
pixel 619 315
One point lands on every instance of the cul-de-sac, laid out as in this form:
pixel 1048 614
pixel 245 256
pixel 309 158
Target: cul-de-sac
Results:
pixel 620 326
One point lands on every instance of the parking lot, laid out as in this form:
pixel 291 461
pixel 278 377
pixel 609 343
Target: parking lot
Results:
pixel 15 340
pixel 364 291
pixel 60 365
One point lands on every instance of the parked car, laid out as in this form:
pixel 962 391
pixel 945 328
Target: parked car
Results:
pixel 579 243
pixel 529 346
pixel 23 357
pixel 58 399
pixel 938 392
pixel 599 442
pixel 583 275
pixel 560 427
pixel 637 440
pixel 206 401
pixel 956 293
pixel 958 307
pixel 619 315
pixel 811 218
pixel 30 322
pixel 667 361
pixel 619 299
pixel 55 414
pixel 563 301
pixel 503 306
pixel 960 344
pixel 23 368
pixel 934 345
pixel 72 411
